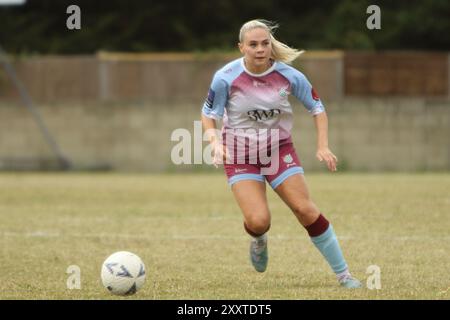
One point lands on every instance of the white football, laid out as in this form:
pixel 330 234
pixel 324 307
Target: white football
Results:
pixel 123 273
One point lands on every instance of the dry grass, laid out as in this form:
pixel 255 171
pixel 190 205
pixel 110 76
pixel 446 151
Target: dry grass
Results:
pixel 188 231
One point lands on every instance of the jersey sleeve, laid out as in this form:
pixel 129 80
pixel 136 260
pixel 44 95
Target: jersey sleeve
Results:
pixel 217 98
pixel 305 93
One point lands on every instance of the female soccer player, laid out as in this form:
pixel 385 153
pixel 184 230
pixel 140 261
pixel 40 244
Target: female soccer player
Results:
pixel 251 95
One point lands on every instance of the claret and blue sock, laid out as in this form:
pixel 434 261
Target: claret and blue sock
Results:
pixel 323 236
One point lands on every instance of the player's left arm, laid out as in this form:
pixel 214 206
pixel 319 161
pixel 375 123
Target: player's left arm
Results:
pixel 304 91
pixel 323 152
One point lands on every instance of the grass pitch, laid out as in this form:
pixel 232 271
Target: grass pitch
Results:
pixel 188 231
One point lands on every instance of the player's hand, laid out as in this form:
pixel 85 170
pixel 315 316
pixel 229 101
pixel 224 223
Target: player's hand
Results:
pixel 220 153
pixel 325 154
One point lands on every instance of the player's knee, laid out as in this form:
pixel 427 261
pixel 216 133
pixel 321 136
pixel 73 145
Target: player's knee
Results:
pixel 304 209
pixel 257 225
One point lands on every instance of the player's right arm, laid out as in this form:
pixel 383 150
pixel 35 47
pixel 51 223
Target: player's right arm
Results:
pixel 213 110
pixel 210 128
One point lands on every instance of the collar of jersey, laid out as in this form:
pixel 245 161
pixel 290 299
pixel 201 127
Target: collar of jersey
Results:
pixel 258 74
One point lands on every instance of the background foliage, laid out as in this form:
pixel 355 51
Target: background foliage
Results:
pixel 205 25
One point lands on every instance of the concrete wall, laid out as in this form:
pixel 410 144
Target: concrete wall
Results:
pixel 385 134
pixel 366 134
pixel 119 110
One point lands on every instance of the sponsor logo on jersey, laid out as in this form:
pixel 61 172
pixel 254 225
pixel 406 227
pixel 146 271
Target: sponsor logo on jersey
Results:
pixel 288 158
pixel 258 84
pixel 314 94
pixel 263 115
pixel 210 99
pixel 239 170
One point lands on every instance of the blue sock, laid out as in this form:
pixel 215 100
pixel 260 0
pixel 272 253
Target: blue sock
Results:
pixel 328 245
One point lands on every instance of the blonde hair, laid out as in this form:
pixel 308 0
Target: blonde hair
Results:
pixel 280 51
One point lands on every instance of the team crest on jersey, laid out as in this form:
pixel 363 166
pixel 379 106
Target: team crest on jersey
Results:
pixel 210 99
pixel 314 94
pixel 288 158
pixel 283 92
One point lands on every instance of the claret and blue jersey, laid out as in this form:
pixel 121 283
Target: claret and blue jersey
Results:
pixel 259 101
